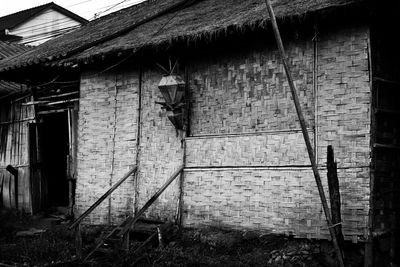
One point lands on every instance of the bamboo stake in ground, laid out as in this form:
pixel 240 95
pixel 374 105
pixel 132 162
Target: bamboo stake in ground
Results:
pixel 305 132
pixel 334 195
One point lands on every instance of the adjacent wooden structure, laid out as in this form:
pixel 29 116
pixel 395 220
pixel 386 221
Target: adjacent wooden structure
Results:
pixel 29 133
pixel 14 144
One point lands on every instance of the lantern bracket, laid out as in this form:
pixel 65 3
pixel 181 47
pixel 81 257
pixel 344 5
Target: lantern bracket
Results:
pixel 170 107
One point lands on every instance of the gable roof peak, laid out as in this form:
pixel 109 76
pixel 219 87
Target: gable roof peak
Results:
pixel 12 20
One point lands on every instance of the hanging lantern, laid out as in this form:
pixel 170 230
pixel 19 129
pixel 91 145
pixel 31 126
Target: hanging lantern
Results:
pixel 172 88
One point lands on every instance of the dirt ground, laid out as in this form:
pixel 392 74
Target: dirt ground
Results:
pixel 48 242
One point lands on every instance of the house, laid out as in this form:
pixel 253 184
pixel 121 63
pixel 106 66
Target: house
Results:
pixel 38 24
pixel 236 133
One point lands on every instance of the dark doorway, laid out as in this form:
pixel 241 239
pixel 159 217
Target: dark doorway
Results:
pixel 55 149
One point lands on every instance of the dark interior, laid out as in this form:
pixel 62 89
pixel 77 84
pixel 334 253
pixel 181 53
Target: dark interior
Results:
pixel 55 152
pixel 385 135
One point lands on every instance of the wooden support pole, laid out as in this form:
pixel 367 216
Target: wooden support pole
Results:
pixel 78 241
pixel 34 98
pixel 186 133
pixel 70 179
pixel 138 139
pixel 179 216
pixel 160 237
pixel 305 132
pixel 125 242
pixel 334 195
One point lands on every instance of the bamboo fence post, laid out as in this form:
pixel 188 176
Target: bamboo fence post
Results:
pixel 304 130
pixel 334 195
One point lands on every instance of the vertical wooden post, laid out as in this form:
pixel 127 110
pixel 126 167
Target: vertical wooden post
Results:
pixel 138 140
pixel 125 241
pixel 369 244
pixel 393 236
pixel 315 89
pixel 334 194
pixel 304 130
pixel 69 164
pixel 1 189
pixel 160 238
pixel 186 133
pixel 34 98
pixel 78 241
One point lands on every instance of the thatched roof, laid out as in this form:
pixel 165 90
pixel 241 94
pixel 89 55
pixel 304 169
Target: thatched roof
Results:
pixel 157 22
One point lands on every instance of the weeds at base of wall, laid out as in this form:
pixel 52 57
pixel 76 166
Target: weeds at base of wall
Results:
pixel 41 248
pixel 192 247
pixel 217 247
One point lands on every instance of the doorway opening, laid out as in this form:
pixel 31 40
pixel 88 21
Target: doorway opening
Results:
pixel 55 151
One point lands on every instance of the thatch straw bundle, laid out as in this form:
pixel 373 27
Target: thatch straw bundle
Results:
pixel 191 20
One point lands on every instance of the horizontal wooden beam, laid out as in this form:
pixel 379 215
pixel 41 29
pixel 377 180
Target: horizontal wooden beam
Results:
pixel 35 103
pixel 44 112
pixel 16 166
pixel 58 96
pixel 17 121
pixel 223 135
pixel 378 79
pixel 62 102
pixel 385 146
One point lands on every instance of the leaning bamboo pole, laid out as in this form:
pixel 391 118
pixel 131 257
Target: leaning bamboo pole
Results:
pixel 304 130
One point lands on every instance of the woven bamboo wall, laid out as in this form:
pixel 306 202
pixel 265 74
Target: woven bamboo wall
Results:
pixel 234 180
pixel 252 149
pixel 249 92
pixel 247 162
pixel 14 120
pixel 160 151
pixel 283 200
pixel 108 103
